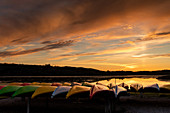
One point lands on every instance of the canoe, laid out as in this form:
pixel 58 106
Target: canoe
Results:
pixel 35 83
pixel 78 90
pixel 98 83
pixel 15 83
pixel 25 91
pixel 25 84
pixel 45 84
pixel 151 88
pixel 44 90
pixel 124 85
pixel 66 84
pixel 2 86
pixel 61 90
pixel 119 91
pixel 100 91
pixel 165 89
pixel 88 84
pixel 9 90
pixel 56 84
pixel 76 83
pixel 136 87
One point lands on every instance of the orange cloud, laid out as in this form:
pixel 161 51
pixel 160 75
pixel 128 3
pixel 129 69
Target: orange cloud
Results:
pixel 71 55
pixel 31 21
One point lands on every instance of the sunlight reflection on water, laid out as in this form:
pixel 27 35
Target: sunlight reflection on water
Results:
pixel 129 81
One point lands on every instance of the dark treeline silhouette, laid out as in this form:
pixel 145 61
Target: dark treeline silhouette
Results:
pixel 48 70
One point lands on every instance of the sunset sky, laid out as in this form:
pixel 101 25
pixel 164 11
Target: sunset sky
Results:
pixel 102 34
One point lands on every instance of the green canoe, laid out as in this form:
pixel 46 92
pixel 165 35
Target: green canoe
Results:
pixel 8 90
pixel 25 91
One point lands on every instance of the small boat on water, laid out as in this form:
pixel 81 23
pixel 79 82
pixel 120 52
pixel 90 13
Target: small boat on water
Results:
pixel 61 90
pixel 78 91
pixel 44 91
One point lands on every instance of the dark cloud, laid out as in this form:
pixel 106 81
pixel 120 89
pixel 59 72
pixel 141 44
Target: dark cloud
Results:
pixel 34 20
pixel 163 33
pixel 46 42
pixel 30 51
pixel 150 37
pixel 78 54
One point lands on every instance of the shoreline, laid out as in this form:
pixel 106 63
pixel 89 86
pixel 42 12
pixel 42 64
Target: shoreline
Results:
pixel 133 104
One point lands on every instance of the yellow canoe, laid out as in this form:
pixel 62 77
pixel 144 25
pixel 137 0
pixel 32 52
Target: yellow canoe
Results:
pixel 77 89
pixel 35 83
pixel 66 84
pixel 45 84
pixel 88 84
pixel 43 90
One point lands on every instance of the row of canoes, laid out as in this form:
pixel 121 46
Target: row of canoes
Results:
pixel 69 89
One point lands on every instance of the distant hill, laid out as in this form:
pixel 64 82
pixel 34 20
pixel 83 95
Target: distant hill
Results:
pixel 48 70
pixel 45 70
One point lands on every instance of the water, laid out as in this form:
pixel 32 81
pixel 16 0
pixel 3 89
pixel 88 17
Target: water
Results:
pixel 145 80
pixel 129 81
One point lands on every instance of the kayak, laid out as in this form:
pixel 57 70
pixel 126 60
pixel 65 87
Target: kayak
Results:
pixel 136 87
pixel 66 84
pixel 2 86
pixel 151 88
pixel 78 90
pixel 25 84
pixel 35 83
pixel 25 91
pixel 88 84
pixel 61 90
pixel 56 84
pixel 100 90
pixel 76 83
pixel 124 85
pixel 9 90
pixel 43 90
pixel 119 91
pixel 15 83
pixel 165 89
pixel 45 84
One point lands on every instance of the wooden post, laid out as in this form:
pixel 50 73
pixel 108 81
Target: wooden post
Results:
pixel 47 104
pixel 108 105
pixel 28 105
